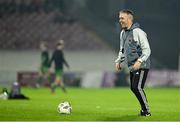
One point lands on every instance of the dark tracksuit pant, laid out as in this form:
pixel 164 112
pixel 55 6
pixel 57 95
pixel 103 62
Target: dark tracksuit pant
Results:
pixel 138 79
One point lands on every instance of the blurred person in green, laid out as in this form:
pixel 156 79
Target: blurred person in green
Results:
pixel 59 61
pixel 44 66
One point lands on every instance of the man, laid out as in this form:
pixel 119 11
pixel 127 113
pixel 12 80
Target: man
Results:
pixel 44 67
pixel 15 92
pixel 135 51
pixel 59 61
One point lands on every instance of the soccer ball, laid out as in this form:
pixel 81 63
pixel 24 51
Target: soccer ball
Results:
pixel 64 108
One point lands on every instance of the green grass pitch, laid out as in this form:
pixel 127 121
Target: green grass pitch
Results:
pixel 106 104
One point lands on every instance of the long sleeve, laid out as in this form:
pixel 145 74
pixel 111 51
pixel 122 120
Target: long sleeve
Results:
pixel 144 44
pixel 120 57
pixel 64 60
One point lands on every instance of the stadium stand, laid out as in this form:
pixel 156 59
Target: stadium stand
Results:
pixel 25 28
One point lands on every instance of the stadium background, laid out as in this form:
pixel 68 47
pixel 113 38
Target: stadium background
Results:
pixel 90 30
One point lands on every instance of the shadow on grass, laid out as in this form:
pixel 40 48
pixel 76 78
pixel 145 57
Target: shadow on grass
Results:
pixel 123 118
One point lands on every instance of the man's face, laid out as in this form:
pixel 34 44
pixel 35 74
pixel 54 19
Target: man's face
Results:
pixel 123 20
pixel 42 47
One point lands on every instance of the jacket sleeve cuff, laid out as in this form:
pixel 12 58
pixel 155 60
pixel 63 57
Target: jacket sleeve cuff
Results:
pixel 140 60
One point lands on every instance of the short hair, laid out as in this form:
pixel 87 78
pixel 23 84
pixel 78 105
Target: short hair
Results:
pixel 60 42
pixel 43 43
pixel 128 12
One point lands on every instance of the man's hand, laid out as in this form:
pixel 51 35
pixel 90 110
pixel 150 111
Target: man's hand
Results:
pixel 118 67
pixel 137 65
